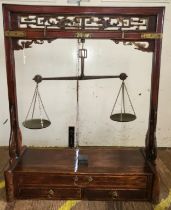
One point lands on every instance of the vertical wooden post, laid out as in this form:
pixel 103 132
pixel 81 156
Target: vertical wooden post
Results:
pixel 151 143
pixel 15 141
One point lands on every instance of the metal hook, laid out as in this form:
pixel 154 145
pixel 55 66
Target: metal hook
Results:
pixel 123 35
pixel 24 56
pixel 45 30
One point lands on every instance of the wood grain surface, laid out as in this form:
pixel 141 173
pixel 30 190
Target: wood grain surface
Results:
pixel 164 168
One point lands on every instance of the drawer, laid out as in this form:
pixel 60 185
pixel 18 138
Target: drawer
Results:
pixel 48 193
pixel 119 181
pixel 43 179
pixel 113 181
pixel 115 194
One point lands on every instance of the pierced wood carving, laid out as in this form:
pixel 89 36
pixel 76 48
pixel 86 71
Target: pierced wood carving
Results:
pixel 23 44
pixel 143 46
pixel 115 23
pixel 20 44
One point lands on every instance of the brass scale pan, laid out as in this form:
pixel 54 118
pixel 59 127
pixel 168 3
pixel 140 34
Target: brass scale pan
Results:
pixel 123 117
pixel 36 123
pixel 43 123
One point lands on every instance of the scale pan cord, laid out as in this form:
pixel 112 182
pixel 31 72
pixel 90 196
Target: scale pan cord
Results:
pixel 123 116
pixel 32 122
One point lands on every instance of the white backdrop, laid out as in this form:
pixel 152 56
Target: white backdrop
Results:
pixel 96 97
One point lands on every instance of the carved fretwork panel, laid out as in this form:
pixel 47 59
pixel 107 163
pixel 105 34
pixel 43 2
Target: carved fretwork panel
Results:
pixel 108 23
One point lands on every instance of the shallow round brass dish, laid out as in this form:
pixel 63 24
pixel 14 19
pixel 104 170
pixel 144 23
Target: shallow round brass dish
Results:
pixel 36 123
pixel 123 117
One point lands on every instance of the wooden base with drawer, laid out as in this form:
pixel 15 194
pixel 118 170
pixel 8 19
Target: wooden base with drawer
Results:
pixel 111 174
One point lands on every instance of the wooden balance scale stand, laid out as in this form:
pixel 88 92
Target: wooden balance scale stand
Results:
pixel 112 173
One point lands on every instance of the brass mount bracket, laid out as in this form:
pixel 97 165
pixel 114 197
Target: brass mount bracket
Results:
pixel 151 35
pixel 82 35
pixel 15 34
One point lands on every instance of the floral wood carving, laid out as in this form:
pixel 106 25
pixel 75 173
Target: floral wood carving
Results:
pixel 143 46
pixel 22 44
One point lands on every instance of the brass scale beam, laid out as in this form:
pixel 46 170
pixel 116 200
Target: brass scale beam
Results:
pixel 39 78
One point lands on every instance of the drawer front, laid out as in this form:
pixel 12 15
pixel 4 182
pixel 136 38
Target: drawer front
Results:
pixel 43 179
pixel 113 181
pixel 48 193
pixel 115 194
pixel 122 181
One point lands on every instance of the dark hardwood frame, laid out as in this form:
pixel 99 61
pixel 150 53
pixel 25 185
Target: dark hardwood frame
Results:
pixel 153 35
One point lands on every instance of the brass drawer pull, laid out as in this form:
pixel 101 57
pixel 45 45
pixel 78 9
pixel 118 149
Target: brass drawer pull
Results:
pixel 114 195
pixel 88 179
pixel 50 193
